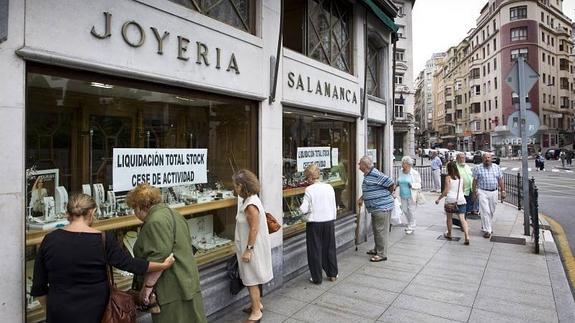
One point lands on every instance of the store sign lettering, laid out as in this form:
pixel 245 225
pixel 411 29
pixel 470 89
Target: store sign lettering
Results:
pixel 138 37
pixel 321 88
pixel 516 141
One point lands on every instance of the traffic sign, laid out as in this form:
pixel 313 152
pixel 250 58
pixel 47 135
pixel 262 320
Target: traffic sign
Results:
pixel 530 78
pixel 531 127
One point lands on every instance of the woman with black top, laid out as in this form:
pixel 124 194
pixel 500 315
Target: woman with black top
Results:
pixel 70 278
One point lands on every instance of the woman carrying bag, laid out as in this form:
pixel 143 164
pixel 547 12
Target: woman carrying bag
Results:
pixel 455 201
pixel 409 183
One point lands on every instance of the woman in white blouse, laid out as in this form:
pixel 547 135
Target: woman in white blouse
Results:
pixel 320 209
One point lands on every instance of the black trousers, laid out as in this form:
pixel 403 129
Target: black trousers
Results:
pixel 320 240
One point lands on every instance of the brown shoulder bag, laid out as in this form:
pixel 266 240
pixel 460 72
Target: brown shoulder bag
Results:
pixel 121 307
pixel 273 224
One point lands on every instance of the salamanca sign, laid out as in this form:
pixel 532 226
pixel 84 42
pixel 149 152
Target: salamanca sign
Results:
pixel 317 87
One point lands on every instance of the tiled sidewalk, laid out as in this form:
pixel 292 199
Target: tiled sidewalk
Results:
pixel 426 280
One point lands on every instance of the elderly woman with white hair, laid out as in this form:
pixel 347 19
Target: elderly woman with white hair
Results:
pixel 320 207
pixel 409 183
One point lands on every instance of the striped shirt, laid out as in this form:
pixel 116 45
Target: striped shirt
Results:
pixel 376 194
pixel 487 177
pixel 436 163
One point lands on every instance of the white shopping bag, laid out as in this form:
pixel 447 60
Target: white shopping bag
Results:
pixel 396 213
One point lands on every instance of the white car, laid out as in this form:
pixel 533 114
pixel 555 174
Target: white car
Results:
pixel 468 157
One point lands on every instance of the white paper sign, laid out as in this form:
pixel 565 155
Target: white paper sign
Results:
pixel 158 167
pixel 335 156
pixel 373 154
pixel 313 155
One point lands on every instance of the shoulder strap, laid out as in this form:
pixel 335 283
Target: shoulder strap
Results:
pixel 173 227
pixel 108 267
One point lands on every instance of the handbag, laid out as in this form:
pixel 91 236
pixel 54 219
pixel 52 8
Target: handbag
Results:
pixel 452 207
pixel 273 224
pixel 232 268
pixel 121 307
pixel 395 218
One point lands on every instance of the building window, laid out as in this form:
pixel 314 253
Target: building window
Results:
pixel 476 107
pixel 398 111
pixel 400 55
pixel 301 130
pixel 475 73
pixel 400 12
pixel 320 30
pixel 495 103
pixel 495 64
pixel 495 44
pixel 523 52
pixel 401 32
pixel 373 69
pixel 237 13
pixel 519 12
pixel 519 33
pixel 476 89
pixel 495 82
pixel 448 91
pixel 399 78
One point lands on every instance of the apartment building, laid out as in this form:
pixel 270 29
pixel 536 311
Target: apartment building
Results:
pixel 477 102
pixel 424 103
pixel 404 97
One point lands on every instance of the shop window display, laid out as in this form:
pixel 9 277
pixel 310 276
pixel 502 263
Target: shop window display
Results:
pixel 75 121
pixel 326 140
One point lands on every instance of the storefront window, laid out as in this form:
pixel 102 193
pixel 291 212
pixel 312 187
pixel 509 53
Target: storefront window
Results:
pixel 75 120
pixel 236 13
pixel 305 132
pixel 375 144
pixel 373 70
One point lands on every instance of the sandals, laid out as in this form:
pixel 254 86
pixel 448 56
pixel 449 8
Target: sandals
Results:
pixel 447 236
pixel 248 310
pixel 377 258
pixel 466 242
pixel 372 252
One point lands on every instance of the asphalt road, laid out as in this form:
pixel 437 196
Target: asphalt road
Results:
pixel 556 187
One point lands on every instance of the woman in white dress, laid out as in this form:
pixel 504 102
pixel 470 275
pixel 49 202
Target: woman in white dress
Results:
pixel 37 197
pixel 252 239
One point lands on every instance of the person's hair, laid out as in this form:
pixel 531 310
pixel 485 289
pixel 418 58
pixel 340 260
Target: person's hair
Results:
pixel 312 172
pixel 407 160
pixel 80 204
pixel 452 170
pixel 460 154
pixel 143 196
pixel 367 161
pixel 248 182
pixel 39 179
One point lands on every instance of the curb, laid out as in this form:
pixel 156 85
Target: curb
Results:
pixel 560 271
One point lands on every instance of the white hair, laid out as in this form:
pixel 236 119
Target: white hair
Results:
pixel 367 161
pixel 460 154
pixel 407 160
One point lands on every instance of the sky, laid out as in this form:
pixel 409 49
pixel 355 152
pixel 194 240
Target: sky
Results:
pixel 440 24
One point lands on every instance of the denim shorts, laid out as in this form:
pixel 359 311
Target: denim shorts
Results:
pixel 461 208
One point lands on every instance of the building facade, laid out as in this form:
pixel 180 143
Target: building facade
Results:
pixel 83 85
pixel 426 137
pixel 478 66
pixel 404 107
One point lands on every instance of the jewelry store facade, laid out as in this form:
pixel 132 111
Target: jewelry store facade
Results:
pixel 84 82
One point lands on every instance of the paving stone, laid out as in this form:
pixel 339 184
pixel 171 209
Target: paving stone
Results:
pixel 319 314
pixel 422 305
pixel 481 316
pixel 281 304
pixel 455 275
pixel 399 315
pixel 516 276
pixel 365 290
pixel 521 311
pixel 353 305
pixel 446 295
pixel 389 284
pixel 517 285
pixel 381 272
pixel 515 296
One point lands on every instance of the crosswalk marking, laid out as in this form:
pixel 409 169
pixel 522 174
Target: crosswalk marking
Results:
pixel 555 170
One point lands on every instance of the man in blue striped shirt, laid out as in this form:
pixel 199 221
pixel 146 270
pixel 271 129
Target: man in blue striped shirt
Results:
pixel 377 195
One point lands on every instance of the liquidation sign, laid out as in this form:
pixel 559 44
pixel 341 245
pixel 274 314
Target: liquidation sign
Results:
pixel 313 155
pixel 158 167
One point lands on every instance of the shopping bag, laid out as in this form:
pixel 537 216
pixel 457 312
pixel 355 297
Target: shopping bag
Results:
pixel 396 213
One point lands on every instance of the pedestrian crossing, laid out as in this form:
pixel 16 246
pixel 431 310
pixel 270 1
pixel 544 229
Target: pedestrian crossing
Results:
pixel 553 170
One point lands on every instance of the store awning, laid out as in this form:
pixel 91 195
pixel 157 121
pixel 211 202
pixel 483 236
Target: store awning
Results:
pixel 387 21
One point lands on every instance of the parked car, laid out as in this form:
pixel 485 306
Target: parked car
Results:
pixel 468 157
pixel 553 153
pixel 478 157
pixel 426 152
